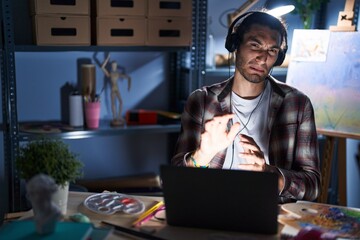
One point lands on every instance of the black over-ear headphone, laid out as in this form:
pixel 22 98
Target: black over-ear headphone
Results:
pixel 232 40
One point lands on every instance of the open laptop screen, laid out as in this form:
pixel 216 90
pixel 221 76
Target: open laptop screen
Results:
pixel 234 200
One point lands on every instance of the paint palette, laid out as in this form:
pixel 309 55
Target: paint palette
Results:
pixel 110 203
pixel 338 221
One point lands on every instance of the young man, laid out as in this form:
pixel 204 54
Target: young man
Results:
pixel 252 121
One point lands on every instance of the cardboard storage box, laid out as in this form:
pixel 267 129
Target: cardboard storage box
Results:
pixel 76 7
pixel 62 30
pixel 121 30
pixel 169 32
pixel 170 8
pixel 121 7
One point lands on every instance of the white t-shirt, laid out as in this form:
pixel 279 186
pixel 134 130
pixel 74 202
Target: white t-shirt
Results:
pixel 252 115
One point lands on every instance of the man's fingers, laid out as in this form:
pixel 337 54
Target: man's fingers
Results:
pixel 249 146
pixel 222 120
pixel 218 123
pixel 235 128
pixel 250 157
pixel 250 167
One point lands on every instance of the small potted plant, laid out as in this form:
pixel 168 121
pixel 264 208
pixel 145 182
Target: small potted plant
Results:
pixel 51 157
pixel 306 10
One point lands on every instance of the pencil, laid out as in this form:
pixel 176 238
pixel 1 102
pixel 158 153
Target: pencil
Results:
pixel 147 213
pixel 149 216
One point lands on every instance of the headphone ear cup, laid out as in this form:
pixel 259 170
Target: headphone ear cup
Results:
pixel 282 52
pixel 231 43
pixel 280 59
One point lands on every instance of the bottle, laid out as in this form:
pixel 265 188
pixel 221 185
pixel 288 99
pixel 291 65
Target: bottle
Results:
pixel 76 118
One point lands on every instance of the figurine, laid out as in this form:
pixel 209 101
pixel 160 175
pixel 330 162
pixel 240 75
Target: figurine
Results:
pixel 40 189
pixel 114 75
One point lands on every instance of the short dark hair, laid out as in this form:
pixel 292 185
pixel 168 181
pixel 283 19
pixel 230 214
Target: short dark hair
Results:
pixel 262 19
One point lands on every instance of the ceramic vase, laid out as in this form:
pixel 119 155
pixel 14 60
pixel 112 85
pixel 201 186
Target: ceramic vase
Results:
pixel 60 197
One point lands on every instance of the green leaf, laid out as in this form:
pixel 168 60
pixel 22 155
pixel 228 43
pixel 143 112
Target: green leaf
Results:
pixel 51 157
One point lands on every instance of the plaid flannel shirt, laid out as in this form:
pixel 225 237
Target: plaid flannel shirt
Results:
pixel 293 145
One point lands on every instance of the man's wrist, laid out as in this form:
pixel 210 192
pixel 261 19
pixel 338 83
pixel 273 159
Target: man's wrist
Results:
pixel 200 158
pixel 195 164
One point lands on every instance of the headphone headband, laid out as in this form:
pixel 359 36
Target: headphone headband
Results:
pixel 232 25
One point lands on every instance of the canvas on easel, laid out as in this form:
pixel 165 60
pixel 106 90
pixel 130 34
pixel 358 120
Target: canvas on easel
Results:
pixel 325 65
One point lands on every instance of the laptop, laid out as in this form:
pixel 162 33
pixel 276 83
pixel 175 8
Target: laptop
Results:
pixel 231 200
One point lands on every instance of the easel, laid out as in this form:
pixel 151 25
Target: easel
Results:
pixel 345 24
pixel 331 138
pixel 345 18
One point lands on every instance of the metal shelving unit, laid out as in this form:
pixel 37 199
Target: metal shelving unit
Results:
pixel 9 108
pixel 224 72
pixel 33 48
pixel 104 130
pixel 183 85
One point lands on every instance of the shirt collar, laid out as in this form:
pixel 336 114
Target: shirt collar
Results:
pixel 226 90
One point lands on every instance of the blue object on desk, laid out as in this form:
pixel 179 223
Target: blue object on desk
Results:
pixel 26 230
pixel 79 217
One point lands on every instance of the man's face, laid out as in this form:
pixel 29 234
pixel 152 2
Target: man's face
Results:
pixel 257 53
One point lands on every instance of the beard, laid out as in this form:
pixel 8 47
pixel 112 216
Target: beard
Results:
pixel 251 77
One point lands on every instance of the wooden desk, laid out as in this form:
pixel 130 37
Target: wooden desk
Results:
pixel 303 212
pixel 75 205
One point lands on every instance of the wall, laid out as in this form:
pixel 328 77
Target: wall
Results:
pixel 41 77
pixel 353 172
pixel 47 73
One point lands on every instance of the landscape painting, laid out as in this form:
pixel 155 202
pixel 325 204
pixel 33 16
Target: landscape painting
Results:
pixel 326 66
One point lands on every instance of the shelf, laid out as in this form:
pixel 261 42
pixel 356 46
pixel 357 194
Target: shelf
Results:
pixel 18 38
pixel 35 48
pixel 66 132
pixel 225 72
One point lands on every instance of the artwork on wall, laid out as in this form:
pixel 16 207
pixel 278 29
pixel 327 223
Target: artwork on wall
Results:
pixel 325 66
